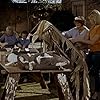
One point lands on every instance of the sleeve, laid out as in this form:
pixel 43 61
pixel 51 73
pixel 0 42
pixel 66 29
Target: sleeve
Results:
pixel 71 32
pixel 68 34
pixel 84 34
pixel 2 38
pixel 16 39
pixel 26 43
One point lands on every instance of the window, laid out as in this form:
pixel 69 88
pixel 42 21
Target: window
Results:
pixel 78 8
pixel 37 1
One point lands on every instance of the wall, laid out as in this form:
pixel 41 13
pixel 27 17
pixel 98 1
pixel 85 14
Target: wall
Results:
pixel 81 7
pixel 16 16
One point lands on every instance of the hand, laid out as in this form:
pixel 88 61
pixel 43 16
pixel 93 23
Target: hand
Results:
pixel 72 40
pixel 29 35
pixel 2 45
pixel 79 38
pixel 19 45
pixel 23 47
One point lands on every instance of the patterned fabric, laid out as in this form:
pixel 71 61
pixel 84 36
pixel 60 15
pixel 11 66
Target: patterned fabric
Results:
pixel 65 86
pixel 11 86
pixel 49 60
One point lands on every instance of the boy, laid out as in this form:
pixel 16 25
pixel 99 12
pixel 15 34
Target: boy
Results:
pixel 23 42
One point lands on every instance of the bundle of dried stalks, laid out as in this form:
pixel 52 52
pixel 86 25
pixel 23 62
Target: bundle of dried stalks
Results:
pixel 53 40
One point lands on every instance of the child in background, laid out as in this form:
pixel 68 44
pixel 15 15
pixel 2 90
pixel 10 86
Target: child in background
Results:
pixel 8 39
pixel 23 42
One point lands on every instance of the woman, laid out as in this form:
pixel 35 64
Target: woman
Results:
pixel 93 42
pixel 79 30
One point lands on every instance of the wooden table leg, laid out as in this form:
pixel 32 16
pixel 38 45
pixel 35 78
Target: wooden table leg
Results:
pixel 11 86
pixel 63 88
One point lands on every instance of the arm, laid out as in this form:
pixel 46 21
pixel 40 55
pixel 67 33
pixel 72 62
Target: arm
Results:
pixel 94 39
pixel 2 38
pixel 2 45
pixel 86 37
pixel 29 35
pixel 19 45
pixel 69 33
pixel 26 43
pixel 89 42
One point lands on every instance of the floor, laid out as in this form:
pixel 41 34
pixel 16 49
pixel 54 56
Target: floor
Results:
pixel 33 91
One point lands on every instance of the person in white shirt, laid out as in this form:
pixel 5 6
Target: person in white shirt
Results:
pixel 79 30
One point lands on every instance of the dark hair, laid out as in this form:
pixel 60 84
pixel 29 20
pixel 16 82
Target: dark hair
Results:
pixel 24 32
